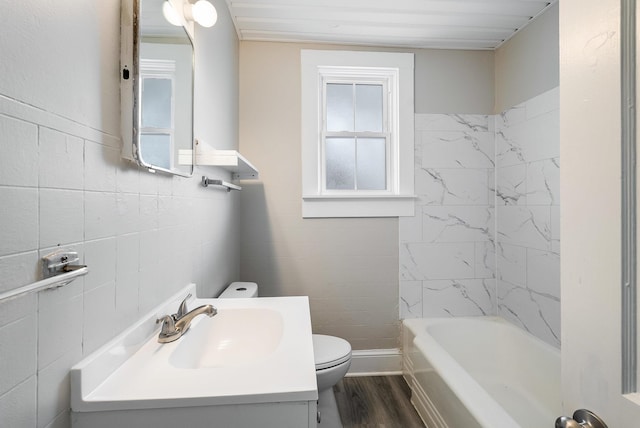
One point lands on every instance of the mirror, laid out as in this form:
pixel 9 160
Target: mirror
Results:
pixel 156 90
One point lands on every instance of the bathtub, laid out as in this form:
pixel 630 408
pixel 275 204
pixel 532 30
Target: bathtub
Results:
pixel 480 372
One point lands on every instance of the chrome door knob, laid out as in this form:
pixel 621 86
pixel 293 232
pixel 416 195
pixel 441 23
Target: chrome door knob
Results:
pixel 582 418
pixel 567 422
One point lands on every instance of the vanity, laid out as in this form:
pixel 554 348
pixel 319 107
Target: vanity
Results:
pixel 251 365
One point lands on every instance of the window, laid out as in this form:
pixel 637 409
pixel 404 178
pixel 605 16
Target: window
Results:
pixel 357 134
pixel 355 141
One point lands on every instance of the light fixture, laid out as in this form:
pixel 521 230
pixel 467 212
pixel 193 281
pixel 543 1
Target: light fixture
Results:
pixel 202 12
pixel 170 14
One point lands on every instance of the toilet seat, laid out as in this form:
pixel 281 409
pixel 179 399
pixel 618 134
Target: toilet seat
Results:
pixel 330 351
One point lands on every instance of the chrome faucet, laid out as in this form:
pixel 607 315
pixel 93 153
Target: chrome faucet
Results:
pixel 174 326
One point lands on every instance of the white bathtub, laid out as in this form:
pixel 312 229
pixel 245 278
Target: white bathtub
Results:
pixel 480 372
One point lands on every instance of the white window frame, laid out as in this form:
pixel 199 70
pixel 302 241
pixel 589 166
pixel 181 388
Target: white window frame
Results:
pixel 396 70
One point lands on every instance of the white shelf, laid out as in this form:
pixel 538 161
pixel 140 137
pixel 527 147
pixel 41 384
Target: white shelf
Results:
pixel 231 160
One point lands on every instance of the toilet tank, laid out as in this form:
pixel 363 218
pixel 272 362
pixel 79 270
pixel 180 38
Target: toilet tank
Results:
pixel 240 289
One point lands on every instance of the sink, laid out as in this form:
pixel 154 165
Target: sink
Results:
pixel 250 364
pixel 234 337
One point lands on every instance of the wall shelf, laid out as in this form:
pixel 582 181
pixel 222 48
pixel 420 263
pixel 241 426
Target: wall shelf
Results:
pixel 231 160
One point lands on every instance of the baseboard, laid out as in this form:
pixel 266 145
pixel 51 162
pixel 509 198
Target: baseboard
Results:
pixel 376 362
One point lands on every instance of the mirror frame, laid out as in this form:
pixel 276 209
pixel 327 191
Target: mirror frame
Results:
pixel 130 44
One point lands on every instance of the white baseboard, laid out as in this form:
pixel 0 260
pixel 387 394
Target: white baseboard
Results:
pixel 376 362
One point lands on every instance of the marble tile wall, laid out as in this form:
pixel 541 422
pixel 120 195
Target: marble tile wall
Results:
pixel 528 213
pixel 485 237
pixel 447 254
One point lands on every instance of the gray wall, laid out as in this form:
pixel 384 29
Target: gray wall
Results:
pixel 62 181
pixel 528 64
pixel 457 81
pixel 348 267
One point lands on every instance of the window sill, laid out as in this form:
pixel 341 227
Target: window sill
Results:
pixel 323 206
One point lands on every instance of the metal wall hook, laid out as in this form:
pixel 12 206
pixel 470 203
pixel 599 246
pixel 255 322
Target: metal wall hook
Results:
pixel 582 418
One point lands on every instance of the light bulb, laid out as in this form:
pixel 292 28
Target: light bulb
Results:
pixel 170 14
pixel 204 13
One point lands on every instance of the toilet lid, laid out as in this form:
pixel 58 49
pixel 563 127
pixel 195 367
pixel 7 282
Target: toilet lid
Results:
pixel 329 351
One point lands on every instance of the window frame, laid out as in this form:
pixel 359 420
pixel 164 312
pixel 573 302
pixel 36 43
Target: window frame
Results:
pixel 396 69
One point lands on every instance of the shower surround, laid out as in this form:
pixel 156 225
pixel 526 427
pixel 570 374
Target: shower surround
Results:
pixel 485 238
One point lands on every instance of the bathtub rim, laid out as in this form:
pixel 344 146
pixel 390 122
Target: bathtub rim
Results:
pixel 484 408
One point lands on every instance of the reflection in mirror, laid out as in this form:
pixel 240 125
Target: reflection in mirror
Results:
pixel 166 90
pixel 162 90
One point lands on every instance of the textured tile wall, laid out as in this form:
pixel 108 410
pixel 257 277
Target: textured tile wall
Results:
pixel 528 207
pixel 485 239
pixel 143 236
pixel 447 251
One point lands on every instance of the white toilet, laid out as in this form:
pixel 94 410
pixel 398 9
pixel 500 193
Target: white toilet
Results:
pixel 332 358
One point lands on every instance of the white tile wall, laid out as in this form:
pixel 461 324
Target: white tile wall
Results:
pixel 22 214
pixel 20 269
pixel 56 149
pixel 59 322
pixel 62 182
pixel 447 260
pixel 19 160
pixel 61 216
pixel 463 297
pixel 485 238
pixel 527 141
pixel 18 347
pixel 18 407
pixel 141 235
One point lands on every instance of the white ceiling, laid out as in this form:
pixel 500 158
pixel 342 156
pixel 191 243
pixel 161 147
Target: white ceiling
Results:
pixel 441 24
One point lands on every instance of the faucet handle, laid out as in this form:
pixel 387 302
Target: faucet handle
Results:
pixel 168 325
pixel 182 309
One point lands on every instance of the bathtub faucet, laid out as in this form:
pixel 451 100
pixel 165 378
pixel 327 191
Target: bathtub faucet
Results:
pixel 174 326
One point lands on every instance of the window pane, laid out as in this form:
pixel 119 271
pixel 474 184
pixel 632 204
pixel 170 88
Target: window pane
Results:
pixel 369 108
pixel 339 107
pixel 371 165
pixel 155 149
pixel 156 103
pixel 340 155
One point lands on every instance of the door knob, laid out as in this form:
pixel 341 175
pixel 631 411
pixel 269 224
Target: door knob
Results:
pixel 582 418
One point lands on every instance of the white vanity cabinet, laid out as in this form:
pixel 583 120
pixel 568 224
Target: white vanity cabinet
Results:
pixel 266 415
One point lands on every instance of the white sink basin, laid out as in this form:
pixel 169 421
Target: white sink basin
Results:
pixel 233 337
pixel 253 351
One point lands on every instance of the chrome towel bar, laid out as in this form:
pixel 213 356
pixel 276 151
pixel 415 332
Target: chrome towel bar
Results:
pixel 52 282
pixel 58 269
pixel 207 181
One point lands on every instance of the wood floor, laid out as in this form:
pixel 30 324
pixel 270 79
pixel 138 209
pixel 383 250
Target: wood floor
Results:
pixel 376 402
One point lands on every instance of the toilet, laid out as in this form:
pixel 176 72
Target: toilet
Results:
pixel 332 357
